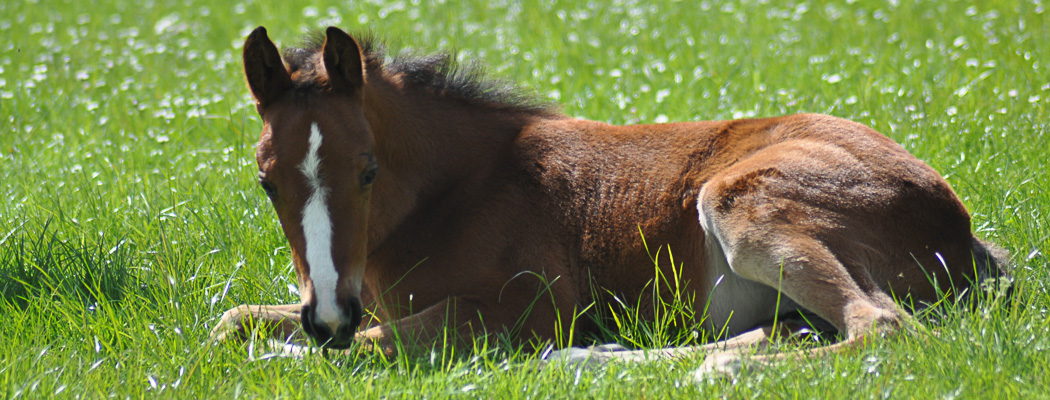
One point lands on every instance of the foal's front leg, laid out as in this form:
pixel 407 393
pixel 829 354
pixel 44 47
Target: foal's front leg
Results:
pixel 280 322
pixel 283 325
pixel 454 321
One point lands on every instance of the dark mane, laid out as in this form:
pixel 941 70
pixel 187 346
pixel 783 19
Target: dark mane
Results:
pixel 438 73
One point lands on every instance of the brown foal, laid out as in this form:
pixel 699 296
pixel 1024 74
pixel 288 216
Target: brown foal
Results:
pixel 418 197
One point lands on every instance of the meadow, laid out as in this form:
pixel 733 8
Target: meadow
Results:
pixel 131 218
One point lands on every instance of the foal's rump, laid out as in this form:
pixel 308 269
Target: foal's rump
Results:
pixel 816 215
pixel 841 220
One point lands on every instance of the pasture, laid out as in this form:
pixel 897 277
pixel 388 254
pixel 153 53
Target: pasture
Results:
pixel 131 217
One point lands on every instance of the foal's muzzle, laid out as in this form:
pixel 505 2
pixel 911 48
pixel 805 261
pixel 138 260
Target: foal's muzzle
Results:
pixel 323 335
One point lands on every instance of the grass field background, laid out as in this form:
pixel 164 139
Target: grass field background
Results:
pixel 131 218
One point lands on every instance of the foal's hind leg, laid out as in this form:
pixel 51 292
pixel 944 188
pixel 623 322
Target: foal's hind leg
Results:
pixel 279 322
pixel 752 340
pixel 772 232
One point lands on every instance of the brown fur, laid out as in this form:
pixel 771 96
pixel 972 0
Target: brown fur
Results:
pixel 477 199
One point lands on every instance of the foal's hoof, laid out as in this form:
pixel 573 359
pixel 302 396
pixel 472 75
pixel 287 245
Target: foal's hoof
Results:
pixel 719 366
pixel 230 327
pixel 586 357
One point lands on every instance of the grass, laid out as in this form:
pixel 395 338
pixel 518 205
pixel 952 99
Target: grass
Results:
pixel 130 217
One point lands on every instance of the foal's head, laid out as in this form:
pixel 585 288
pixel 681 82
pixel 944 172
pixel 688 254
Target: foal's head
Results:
pixel 316 163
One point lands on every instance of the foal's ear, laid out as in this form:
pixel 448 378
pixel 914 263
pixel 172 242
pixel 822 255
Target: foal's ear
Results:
pixel 342 59
pixel 267 77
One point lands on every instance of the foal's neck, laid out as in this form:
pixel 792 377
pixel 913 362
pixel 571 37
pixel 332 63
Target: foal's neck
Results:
pixel 416 129
pixel 427 145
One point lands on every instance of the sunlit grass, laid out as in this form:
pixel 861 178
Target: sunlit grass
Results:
pixel 130 218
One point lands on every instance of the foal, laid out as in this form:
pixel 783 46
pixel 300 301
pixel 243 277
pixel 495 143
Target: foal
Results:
pixel 416 193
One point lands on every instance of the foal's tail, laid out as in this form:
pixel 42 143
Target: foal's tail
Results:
pixel 991 271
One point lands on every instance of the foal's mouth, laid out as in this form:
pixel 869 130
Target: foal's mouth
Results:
pixel 323 334
pixel 338 344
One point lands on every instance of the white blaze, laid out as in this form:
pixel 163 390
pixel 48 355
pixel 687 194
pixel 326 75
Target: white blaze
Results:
pixel 317 228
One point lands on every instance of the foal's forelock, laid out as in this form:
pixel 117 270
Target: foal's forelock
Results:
pixel 317 232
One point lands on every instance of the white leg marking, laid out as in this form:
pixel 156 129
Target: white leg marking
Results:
pixel 317 227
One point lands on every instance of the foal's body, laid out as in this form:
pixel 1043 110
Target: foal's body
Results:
pixel 499 217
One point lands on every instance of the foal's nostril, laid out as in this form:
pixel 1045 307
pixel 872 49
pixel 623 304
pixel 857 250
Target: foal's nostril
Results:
pixel 344 334
pixel 319 332
pixel 354 312
pixel 306 316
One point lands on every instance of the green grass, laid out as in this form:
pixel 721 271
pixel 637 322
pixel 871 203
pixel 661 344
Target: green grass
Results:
pixel 130 216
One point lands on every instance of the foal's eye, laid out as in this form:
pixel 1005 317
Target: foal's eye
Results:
pixel 269 188
pixel 368 176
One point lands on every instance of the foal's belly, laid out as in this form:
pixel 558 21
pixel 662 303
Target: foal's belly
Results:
pixel 735 305
pixel 738 305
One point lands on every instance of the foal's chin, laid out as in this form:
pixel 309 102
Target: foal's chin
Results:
pixel 338 342
pixel 334 344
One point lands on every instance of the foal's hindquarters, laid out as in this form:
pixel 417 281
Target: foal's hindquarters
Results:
pixel 841 221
